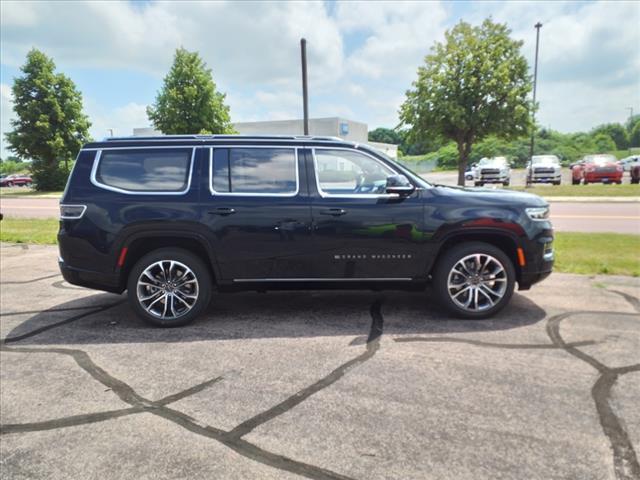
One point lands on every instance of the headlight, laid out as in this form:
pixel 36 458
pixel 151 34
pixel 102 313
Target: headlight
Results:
pixel 538 213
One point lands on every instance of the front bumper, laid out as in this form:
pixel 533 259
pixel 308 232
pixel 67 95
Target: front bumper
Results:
pixel 540 256
pixel 595 177
pixel 545 177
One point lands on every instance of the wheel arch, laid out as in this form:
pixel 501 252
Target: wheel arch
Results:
pixel 138 244
pixel 505 241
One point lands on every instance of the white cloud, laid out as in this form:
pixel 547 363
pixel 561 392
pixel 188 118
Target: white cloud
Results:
pixel 122 119
pixel 253 43
pixel 362 56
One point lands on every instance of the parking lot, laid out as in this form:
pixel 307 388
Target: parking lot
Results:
pixel 363 385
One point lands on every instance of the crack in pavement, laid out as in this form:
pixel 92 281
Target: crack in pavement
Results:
pixel 25 282
pixel 625 460
pixel 44 328
pixel 479 343
pixel 54 310
pixel 232 439
pixel 372 346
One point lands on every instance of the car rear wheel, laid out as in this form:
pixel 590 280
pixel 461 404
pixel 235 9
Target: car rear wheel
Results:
pixel 9 184
pixel 169 287
pixel 474 280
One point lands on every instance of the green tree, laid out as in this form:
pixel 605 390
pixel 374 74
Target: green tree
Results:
pixel 617 133
pixel 603 143
pixel 50 126
pixel 634 137
pixel 385 135
pixel 474 84
pixel 188 101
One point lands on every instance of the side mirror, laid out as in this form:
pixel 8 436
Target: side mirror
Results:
pixel 400 185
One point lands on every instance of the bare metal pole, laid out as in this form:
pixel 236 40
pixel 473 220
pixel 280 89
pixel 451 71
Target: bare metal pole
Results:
pixel 305 90
pixel 535 84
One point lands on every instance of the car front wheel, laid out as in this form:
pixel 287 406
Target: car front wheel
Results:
pixel 474 280
pixel 169 287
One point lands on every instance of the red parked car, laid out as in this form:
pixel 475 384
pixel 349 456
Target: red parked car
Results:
pixel 597 168
pixel 16 180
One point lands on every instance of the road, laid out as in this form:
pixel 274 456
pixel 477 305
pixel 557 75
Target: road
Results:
pixel 320 385
pixel 567 217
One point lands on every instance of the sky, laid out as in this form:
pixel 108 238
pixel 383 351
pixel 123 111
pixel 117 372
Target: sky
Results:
pixel 362 56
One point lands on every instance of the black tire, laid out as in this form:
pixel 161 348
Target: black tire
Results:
pixel 558 182
pixel 635 180
pixel 478 184
pixel 188 259
pixel 585 182
pixel 505 184
pixel 449 259
pixel 575 182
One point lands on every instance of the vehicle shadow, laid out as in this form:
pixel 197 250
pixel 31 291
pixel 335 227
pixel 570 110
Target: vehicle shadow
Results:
pixel 107 319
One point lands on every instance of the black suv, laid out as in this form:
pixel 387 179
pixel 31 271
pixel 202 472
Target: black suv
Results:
pixel 171 218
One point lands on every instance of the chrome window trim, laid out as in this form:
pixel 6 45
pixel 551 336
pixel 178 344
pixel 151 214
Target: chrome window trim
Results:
pixel 96 162
pixel 324 194
pixel 76 217
pixel 350 279
pixel 249 194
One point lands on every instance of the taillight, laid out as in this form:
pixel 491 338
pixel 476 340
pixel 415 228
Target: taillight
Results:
pixel 72 212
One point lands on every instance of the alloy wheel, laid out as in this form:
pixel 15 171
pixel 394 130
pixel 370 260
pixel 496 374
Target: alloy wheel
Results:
pixel 477 282
pixel 167 289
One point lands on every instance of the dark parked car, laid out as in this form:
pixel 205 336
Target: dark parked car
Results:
pixel 16 180
pixel 635 173
pixel 171 218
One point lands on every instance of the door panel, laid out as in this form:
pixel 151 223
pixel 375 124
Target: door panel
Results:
pixel 258 217
pixel 359 231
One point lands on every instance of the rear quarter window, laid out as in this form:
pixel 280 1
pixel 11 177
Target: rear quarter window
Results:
pixel 139 170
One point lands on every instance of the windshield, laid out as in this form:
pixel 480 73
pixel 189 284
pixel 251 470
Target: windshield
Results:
pixel 600 159
pixel 537 159
pixel 496 161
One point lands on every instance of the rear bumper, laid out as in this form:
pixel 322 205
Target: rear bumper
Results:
pixel 90 279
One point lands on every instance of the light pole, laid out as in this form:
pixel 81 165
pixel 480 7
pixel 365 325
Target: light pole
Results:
pixel 305 92
pixel 535 84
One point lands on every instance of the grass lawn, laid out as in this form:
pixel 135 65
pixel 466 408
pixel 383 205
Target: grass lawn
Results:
pixel 26 192
pixel 586 253
pixel 29 230
pixel 595 190
pixel 597 253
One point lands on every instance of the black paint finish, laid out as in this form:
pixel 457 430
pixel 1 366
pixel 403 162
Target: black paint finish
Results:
pixel 253 241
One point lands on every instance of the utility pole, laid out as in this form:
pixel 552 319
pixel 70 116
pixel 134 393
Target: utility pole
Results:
pixel 305 91
pixel 535 84
pixel 630 113
pixel 110 132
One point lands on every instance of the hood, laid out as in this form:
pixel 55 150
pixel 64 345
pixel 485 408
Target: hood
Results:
pixel 490 196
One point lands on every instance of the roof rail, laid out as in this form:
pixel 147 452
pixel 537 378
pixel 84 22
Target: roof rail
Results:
pixel 223 136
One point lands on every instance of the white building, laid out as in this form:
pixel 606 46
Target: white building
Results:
pixel 348 130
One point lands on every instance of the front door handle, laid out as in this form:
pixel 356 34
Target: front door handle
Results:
pixel 335 212
pixel 224 211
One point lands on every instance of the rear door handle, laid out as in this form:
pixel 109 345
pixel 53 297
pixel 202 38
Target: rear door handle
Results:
pixel 336 212
pixel 224 211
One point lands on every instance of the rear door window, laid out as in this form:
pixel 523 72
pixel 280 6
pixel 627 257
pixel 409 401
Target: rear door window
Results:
pixel 145 170
pixel 254 171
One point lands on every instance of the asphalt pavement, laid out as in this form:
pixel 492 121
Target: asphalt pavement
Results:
pixel 320 385
pixel 617 217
